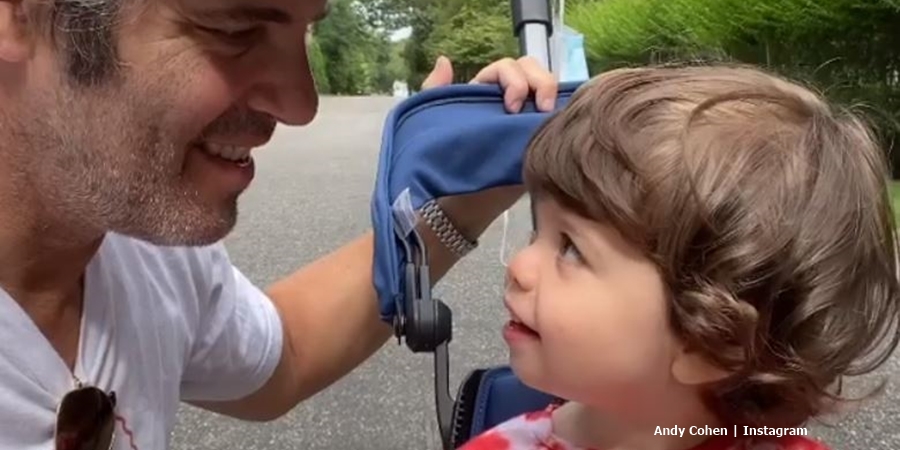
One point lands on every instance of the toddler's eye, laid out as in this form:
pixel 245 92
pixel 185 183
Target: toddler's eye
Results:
pixel 569 250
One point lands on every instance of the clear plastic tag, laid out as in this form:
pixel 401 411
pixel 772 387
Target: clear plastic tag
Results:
pixel 404 215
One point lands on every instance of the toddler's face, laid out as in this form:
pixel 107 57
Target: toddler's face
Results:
pixel 588 314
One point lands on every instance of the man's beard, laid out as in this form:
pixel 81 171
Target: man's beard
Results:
pixel 101 163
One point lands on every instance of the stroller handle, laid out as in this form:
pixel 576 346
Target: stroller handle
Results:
pixel 423 320
pixel 533 25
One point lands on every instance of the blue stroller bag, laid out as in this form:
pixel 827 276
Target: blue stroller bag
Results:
pixel 448 141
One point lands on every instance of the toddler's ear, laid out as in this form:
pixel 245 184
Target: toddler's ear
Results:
pixel 690 368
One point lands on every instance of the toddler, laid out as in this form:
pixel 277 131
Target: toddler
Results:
pixel 713 251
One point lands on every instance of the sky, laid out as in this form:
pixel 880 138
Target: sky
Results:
pixel 400 34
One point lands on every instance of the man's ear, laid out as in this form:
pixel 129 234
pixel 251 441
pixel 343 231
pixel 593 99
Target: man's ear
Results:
pixel 15 36
pixel 690 368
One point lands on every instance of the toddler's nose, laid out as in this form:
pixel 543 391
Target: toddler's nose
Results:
pixel 522 272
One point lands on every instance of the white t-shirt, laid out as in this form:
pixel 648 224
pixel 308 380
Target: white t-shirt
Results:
pixel 160 325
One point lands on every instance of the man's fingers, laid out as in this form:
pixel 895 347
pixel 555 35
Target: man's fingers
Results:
pixel 441 75
pixel 511 78
pixel 519 79
pixel 542 82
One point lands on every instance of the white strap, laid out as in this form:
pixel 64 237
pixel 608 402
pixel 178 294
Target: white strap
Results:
pixel 503 238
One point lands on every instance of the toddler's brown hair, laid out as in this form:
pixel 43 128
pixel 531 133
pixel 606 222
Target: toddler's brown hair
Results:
pixel 766 210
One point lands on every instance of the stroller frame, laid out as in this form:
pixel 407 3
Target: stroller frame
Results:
pixel 425 322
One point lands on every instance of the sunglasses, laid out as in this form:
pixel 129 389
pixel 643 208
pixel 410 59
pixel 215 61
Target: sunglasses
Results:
pixel 86 419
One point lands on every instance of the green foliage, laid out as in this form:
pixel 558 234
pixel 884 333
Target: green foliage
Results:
pixel 396 66
pixel 472 37
pixel 394 14
pixel 318 66
pixel 415 54
pixel 849 49
pixel 357 57
pixel 472 33
pixel 344 39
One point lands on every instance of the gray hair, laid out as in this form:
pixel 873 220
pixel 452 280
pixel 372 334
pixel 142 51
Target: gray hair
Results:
pixel 84 31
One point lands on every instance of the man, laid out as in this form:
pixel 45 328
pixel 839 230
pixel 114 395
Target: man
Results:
pixel 127 129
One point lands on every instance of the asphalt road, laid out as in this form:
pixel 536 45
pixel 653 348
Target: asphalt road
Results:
pixel 310 196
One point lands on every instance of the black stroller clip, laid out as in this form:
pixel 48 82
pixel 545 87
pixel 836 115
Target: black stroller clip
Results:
pixel 425 323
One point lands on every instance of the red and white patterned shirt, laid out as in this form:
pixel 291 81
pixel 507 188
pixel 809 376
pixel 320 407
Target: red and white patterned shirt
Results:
pixel 534 431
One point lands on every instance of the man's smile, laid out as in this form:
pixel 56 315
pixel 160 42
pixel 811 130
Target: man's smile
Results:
pixel 234 153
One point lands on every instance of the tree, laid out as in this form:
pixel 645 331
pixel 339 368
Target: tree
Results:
pixel 472 33
pixel 318 66
pixel 355 53
pixel 394 14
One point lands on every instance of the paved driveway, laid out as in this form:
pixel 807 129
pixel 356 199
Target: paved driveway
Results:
pixel 311 195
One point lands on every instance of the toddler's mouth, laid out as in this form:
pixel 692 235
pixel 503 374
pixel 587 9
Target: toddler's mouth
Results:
pixel 518 327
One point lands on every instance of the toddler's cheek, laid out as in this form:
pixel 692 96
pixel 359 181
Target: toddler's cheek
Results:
pixel 529 368
pixel 624 375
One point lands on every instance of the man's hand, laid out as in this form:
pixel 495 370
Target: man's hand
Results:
pixel 518 78
pixel 473 213
pixel 329 308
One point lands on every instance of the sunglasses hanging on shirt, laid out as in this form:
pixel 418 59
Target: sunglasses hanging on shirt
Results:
pixel 86 419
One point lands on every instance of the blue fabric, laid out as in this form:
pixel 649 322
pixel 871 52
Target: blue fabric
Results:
pixel 446 141
pixel 502 396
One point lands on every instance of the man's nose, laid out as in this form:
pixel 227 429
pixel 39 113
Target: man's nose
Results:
pixel 287 90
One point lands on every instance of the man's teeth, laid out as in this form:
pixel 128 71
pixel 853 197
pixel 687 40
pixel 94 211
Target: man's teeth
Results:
pixel 229 152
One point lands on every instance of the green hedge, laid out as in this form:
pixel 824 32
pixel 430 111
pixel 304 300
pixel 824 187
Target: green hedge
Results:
pixel 318 66
pixel 849 50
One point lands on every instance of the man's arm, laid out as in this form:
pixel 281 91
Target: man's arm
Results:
pixel 329 310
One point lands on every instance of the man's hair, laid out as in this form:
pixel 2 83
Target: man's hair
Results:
pixel 766 210
pixel 84 33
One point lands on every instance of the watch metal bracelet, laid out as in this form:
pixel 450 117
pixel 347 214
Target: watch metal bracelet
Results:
pixel 447 233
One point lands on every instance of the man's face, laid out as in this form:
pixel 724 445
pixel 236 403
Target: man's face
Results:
pixel 160 149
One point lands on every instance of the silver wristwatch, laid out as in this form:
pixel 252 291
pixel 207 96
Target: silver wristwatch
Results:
pixel 447 233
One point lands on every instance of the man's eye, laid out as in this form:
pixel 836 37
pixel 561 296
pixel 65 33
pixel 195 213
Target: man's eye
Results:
pixel 233 36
